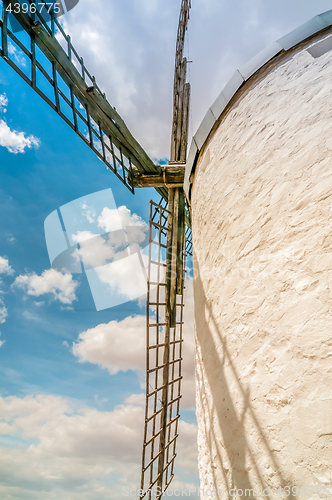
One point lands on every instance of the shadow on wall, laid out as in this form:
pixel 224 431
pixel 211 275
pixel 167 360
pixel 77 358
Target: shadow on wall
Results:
pixel 228 419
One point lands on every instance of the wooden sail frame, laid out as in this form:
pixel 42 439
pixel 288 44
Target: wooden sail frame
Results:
pixel 161 426
pixel 163 365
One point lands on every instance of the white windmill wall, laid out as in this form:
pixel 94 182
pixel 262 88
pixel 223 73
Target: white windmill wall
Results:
pixel 262 228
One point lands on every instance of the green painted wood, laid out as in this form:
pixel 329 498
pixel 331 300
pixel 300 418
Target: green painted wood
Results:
pixel 4 35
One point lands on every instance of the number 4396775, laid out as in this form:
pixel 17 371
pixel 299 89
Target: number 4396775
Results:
pixel 32 8
pixel 304 491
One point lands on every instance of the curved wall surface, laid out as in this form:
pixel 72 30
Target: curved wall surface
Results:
pixel 261 205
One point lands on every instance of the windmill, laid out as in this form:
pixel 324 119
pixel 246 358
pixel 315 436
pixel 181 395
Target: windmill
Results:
pixel 70 89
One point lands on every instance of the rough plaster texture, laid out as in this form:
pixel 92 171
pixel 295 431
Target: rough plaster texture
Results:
pixel 262 229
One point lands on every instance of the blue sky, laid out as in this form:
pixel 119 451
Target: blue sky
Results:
pixel 71 408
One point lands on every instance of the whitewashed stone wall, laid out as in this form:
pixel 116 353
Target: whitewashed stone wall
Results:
pixel 262 227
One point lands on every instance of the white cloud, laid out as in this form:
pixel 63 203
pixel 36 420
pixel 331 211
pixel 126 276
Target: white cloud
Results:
pixel 15 142
pixel 136 400
pixel 3 103
pixel 81 236
pixel 135 228
pixel 141 87
pixel 133 93
pixel 69 433
pixel 60 285
pixel 187 447
pixel 108 219
pixel 2 342
pixel 122 229
pixel 75 453
pixel 118 345
pixel 125 277
pixel 94 250
pixel 5 268
pixel 115 267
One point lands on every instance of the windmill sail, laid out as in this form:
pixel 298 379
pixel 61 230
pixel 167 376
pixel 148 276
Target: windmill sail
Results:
pixel 165 300
pixel 51 66
pixel 181 96
pixel 163 397
pixel 164 350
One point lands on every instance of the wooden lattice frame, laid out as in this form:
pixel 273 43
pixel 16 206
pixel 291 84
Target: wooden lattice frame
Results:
pixel 164 356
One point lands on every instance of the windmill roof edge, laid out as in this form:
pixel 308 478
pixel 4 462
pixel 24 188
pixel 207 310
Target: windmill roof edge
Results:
pixel 284 44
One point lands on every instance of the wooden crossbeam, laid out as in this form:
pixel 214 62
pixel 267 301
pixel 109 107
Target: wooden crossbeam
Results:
pixel 169 176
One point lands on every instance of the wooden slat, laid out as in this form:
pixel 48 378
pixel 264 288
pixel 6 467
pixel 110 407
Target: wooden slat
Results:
pixel 185 123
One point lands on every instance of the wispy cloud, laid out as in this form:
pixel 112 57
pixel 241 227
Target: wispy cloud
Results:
pixel 17 55
pixel 61 286
pixel 89 213
pixel 5 268
pixel 10 238
pixel 16 142
pixel 3 312
pixel 29 316
pixel 3 103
